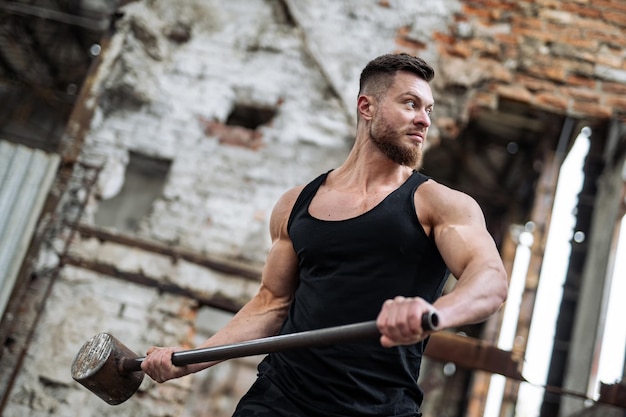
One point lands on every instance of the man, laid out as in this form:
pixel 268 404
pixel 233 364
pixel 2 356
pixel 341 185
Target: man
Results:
pixel 372 239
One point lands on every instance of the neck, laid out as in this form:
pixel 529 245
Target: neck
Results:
pixel 366 167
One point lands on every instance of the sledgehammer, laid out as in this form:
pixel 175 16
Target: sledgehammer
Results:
pixel 112 371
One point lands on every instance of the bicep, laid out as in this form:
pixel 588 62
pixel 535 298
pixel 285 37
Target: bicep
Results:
pixel 471 255
pixel 280 273
pixel 462 237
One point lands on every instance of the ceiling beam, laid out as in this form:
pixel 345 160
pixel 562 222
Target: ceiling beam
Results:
pixel 55 15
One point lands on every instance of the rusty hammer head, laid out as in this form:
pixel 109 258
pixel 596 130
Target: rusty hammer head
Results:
pixel 98 366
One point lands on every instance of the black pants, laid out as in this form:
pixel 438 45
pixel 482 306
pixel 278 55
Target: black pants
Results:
pixel 264 399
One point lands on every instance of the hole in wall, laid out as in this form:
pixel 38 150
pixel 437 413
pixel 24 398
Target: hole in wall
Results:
pixel 250 116
pixel 143 184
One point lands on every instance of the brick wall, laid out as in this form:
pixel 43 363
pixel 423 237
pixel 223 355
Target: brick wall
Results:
pixel 565 57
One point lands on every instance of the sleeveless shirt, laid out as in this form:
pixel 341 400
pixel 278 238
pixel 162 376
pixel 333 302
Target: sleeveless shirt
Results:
pixel 347 269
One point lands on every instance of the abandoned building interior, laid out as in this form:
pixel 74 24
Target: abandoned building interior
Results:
pixel 143 144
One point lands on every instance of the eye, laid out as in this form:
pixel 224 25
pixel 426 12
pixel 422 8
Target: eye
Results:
pixel 411 104
pixel 429 111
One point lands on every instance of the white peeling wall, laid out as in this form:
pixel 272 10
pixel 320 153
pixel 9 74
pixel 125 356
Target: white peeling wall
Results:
pixel 218 198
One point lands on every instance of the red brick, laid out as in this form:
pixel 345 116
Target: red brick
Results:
pixel 617 102
pixel 460 49
pixel 527 22
pixel 405 41
pixel 517 93
pixel 459 17
pixel 584 43
pixel 553 4
pixel 485 48
pixel 535 84
pixel 484 99
pixel 409 43
pixel 596 25
pixel 549 71
pixel 614 88
pixel 482 13
pixel 609 4
pixel 543 35
pixel 579 81
pixel 496 70
pixel 618 18
pixel 582 108
pixel 551 102
pixel 506 38
pixel 581 94
pixel 566 34
pixel 610 38
pixel 580 10
pixel 444 38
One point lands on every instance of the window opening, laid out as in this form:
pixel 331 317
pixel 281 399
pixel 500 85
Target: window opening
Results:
pixel 613 346
pixel 249 116
pixel 143 183
pixel 552 277
pixel 506 339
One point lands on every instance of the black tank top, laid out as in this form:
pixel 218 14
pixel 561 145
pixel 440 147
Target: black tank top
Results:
pixel 348 268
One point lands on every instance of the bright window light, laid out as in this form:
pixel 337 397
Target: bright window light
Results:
pixel 611 365
pixel 552 278
pixel 506 338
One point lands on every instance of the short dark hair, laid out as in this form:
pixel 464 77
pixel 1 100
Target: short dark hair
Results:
pixel 379 73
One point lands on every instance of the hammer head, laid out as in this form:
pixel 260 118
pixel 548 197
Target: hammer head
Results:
pixel 97 367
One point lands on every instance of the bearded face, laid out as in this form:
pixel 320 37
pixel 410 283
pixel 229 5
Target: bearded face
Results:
pixel 399 118
pixel 388 139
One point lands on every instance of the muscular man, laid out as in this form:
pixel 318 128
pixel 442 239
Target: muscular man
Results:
pixel 371 239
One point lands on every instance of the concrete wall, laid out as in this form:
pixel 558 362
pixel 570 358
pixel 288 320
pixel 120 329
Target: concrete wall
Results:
pixel 168 80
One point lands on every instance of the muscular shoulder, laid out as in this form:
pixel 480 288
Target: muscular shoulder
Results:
pixel 437 205
pixel 282 210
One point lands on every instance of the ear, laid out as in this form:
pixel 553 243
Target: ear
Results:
pixel 365 107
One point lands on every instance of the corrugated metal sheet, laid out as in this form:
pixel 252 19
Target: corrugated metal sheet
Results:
pixel 25 178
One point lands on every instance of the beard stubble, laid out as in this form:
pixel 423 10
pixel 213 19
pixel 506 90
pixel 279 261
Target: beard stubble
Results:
pixel 387 140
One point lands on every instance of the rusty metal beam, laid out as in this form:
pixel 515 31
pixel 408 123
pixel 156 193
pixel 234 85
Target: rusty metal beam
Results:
pixel 614 394
pixel 227 267
pixel 79 122
pixel 474 354
pixel 54 15
pixel 478 355
pixel 216 301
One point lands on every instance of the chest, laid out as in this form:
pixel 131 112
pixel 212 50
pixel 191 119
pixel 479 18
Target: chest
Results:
pixel 335 205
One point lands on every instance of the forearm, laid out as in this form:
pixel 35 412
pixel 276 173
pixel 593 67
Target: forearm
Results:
pixel 257 319
pixel 478 293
